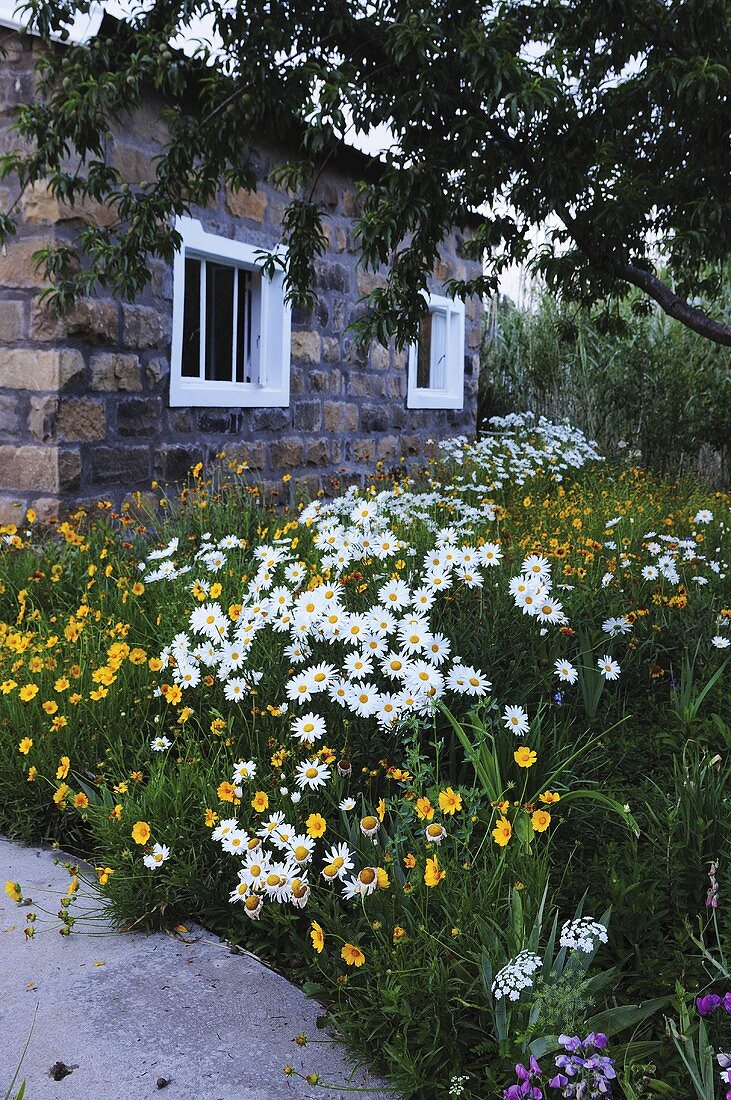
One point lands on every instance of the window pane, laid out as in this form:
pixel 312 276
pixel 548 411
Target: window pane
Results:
pixel 191 360
pixel 423 353
pixel 245 371
pixel 219 322
pixel 438 366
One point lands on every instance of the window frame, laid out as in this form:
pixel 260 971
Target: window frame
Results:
pixel 452 396
pixel 275 321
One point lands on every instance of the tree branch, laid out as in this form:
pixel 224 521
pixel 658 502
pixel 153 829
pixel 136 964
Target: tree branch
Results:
pixel 672 304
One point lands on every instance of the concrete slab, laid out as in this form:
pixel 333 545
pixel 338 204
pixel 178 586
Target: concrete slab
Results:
pixel 217 1026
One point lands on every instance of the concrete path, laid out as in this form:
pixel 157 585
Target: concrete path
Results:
pixel 125 1010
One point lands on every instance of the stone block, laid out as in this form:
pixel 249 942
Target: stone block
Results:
pixel 181 420
pixel 341 416
pixel 270 420
pixel 397 385
pixel 411 445
pixel 375 418
pixel 286 454
pixel 173 461
pixel 27 369
pixel 247 204
pixel 317 453
pixel 253 455
pixel 125 466
pixel 12 315
pixel 110 372
pixel 306 347
pixel 331 276
pixel 81 420
pixel 11 414
pixel 40 207
pixel 144 327
pixel 135 165
pixel 17 267
pixel 361 384
pixel 297 380
pixel 226 421
pixel 69 470
pixel 42 417
pixel 30 467
pixel 155 371
pixel 307 416
pixel 337 238
pixel 12 510
pixel 47 507
pixel 379 358
pixel 93 320
pixel 368 281
pixel 364 451
pixel 140 416
pixel 387 448
pixel 330 349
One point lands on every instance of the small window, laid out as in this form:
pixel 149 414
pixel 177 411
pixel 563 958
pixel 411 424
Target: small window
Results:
pixel 436 360
pixel 231 326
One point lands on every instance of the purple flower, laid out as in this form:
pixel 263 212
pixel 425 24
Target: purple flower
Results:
pixel 727 1002
pixel 526 1086
pixel 708 1004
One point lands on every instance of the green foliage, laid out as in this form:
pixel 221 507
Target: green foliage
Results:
pixel 593 132
pixel 639 383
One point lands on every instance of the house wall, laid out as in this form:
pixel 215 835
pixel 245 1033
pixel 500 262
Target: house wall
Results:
pixel 84 409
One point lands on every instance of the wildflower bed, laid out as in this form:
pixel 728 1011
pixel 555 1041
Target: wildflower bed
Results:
pixel 406 743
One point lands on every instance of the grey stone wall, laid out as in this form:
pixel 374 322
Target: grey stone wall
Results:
pixel 84 411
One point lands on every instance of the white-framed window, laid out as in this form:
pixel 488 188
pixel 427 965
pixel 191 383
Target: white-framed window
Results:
pixel 231 326
pixel 436 360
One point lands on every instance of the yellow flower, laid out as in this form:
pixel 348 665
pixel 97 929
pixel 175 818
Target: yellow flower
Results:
pixel 12 889
pixel 450 801
pixel 60 795
pixel 381 809
pixel 50 706
pixel 424 809
pixel 115 814
pixel 502 832
pixel 7 686
pixel 352 955
pixel 525 757
pixel 383 880
pixel 58 723
pixel 98 693
pixel 137 656
pixel 103 873
pixel 398 933
pixel 540 821
pixel 154 664
pixel 140 832
pixel 432 874
pixel 80 801
pixel 316 825
pixel 28 692
pixel 549 796
pixel 210 818
pixel 32 773
pixel 63 768
pixel 409 860
pixel 25 745
pixel 260 801
pixel 317 936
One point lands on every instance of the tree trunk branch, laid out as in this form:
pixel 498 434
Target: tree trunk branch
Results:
pixel 672 304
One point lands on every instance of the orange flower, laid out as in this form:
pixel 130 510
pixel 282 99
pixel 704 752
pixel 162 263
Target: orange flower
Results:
pixel 226 792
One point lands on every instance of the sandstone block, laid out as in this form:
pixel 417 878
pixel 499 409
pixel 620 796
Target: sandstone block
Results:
pixel 247 204
pixel 317 453
pixel 287 453
pixel 364 450
pixel 306 347
pixel 69 470
pixel 387 448
pixel 341 416
pixel 155 371
pixel 330 349
pixel 375 418
pixel 12 315
pixel 144 327
pixel 40 207
pixel 110 371
pixel 27 369
pixel 17 266
pixel 379 357
pixel 366 385
pixel 253 454
pixel 12 510
pixel 81 420
pixel 30 467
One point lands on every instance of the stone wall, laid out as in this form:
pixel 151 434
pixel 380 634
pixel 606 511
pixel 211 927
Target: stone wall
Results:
pixel 84 413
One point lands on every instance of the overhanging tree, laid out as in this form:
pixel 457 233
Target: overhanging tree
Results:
pixel 609 123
